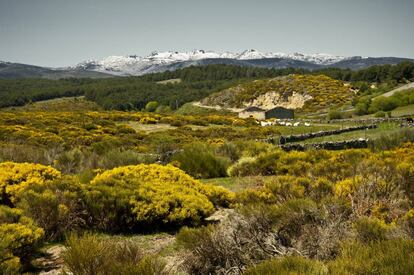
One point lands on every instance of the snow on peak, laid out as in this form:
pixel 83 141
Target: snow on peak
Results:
pixel 253 54
pixel 136 65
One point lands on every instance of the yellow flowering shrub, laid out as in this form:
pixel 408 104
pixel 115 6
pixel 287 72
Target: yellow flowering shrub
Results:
pixel 19 237
pixel 56 206
pixel 347 186
pixel 151 195
pixel 14 177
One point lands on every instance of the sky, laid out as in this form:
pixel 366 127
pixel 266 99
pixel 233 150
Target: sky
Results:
pixel 60 33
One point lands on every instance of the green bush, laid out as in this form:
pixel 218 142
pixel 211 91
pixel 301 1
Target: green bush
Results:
pixel 88 254
pixel 284 188
pixel 383 104
pixel 361 108
pixel 334 115
pixel 370 230
pixel 288 266
pixel 151 106
pixel 116 157
pixel 380 114
pixel 70 162
pixel 384 257
pixel 390 141
pixel 263 165
pixel 200 161
pixel 229 150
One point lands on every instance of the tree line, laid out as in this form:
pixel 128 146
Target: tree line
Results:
pixel 197 82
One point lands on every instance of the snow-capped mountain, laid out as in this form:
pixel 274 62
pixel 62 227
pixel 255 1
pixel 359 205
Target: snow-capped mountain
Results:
pixel 160 61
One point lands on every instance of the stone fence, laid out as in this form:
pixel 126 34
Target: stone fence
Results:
pixel 338 145
pixel 301 137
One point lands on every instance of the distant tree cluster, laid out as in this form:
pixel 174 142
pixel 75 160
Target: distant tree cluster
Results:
pixel 377 73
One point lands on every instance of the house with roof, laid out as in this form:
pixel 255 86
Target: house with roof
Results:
pixel 261 114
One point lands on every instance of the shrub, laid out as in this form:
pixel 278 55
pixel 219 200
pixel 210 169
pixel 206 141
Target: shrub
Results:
pixel 125 197
pixel 56 206
pixel 253 148
pixel 244 167
pixel 89 254
pixel 151 106
pixel 69 162
pixel 334 115
pixel 116 157
pixel 199 160
pixel 276 162
pixel 230 151
pixel 361 108
pixel 390 141
pixel 380 114
pixel 284 188
pixel 227 247
pixel 19 239
pixel 288 266
pixel 384 257
pixel 347 186
pixel 264 165
pixel 370 229
pixel 383 104
pixel 14 177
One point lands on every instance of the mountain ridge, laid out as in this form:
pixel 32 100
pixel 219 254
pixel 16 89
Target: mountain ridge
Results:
pixel 134 65
pixel 163 61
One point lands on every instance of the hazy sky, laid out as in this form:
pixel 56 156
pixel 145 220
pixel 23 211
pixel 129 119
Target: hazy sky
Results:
pixel 65 32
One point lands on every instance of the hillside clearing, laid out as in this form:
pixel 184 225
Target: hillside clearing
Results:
pixel 399 89
pixel 72 104
pixel 170 81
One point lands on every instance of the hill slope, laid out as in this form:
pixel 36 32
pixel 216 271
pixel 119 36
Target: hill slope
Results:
pixel 307 93
pixel 15 70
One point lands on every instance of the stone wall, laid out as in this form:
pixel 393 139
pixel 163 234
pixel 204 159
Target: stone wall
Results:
pixel 295 138
pixel 338 145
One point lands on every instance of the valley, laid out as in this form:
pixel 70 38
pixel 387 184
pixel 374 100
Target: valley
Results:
pixel 158 174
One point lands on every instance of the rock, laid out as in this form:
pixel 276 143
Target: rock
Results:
pixel 51 262
pixel 221 215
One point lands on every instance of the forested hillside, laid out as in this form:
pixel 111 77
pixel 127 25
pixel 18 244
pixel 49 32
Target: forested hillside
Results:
pixel 132 93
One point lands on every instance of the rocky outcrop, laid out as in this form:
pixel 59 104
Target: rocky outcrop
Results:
pixel 274 99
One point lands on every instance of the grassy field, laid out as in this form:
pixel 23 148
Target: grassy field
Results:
pixel 383 128
pixel 150 128
pixel 403 111
pixel 301 129
pixel 70 104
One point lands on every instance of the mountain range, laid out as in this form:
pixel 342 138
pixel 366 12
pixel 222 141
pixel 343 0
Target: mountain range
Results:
pixel 134 65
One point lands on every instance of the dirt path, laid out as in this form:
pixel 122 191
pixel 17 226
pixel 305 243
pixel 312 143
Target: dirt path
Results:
pixel 399 89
